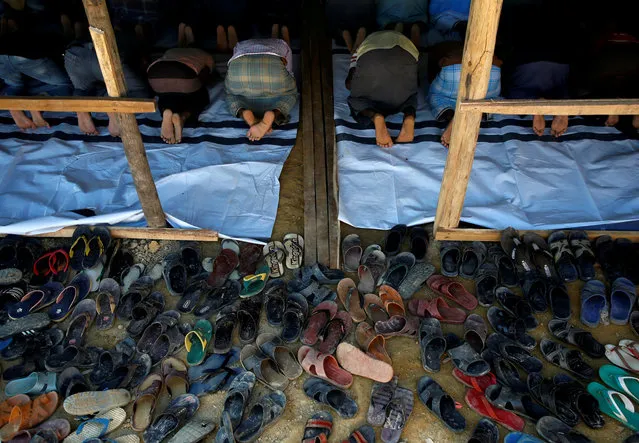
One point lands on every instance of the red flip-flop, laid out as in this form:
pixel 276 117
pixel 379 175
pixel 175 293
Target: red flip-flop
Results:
pixel 437 308
pixel 479 403
pixel 478 383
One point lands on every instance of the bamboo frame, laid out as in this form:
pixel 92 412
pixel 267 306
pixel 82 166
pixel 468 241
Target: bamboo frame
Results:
pixel 494 235
pixel 79 104
pixel 476 65
pixel 203 235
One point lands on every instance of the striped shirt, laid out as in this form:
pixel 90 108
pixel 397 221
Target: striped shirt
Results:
pixel 264 46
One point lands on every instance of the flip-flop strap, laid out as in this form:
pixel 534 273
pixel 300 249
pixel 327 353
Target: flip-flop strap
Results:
pixel 475 384
pixel 104 422
pixel 187 340
pixel 632 351
pixel 358 436
pixel 77 240
pixel 622 358
pixel 490 409
pixel 320 424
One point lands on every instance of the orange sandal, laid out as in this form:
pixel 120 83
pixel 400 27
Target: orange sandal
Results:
pixel 29 415
pixel 393 302
pixel 7 406
pixel 372 343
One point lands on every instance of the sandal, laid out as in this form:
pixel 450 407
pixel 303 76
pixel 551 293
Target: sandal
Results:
pixel 175 376
pixel 213 363
pixel 336 330
pixel 275 294
pixel 294 317
pixel 468 361
pixel 217 381
pixel 398 268
pixel 238 397
pixel 34 384
pixel 624 357
pixel 263 414
pixel 582 249
pixel 475 331
pixel 249 257
pixel 622 298
pixel 106 303
pixel 196 342
pixel 516 306
pixel 351 299
pixel 219 298
pixel 553 397
pixel 452 290
pixel 399 410
pixel 177 413
pixel 620 380
pixel 275 256
pixel 616 405
pixel 337 399
pixel 99 426
pixel 479 403
pixel 372 343
pixel 29 415
pixel 294 246
pixel 393 302
pixel 593 302
pixel 553 429
pixel 374 308
pixel 381 396
pixel 264 367
pixel 35 300
pixel 394 239
pixel 441 404
pixel 225 321
pixel 584 340
pixel 563 256
pixel 419 243
pixel 437 308
pixel 321 315
pixel 272 346
pixel 365 434
pixel 398 326
pixel 415 279
pixel 486 281
pixel 318 428
pixel 472 257
pixel 254 284
pixel 174 273
pixel 248 316
pixel 568 359
pixel 478 383
pixel 324 367
pixel 192 432
pixel 223 265
pixel 359 363
pixel 431 344
pixel 521 404
pixel 372 268
pixel 351 252
pixel 450 257
pixel 145 402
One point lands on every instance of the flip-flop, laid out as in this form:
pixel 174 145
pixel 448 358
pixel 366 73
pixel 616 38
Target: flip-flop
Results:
pixel 381 396
pixel 92 402
pixel 351 252
pixel 374 308
pixel 622 299
pixel 398 326
pixel 77 290
pixel 79 242
pixel 450 257
pixel 394 239
pixel 34 384
pixel 218 381
pixel 7 406
pixel 478 383
pixel 372 343
pixel 177 413
pixel 593 302
pixel 577 337
pixel 452 290
pixel 223 265
pixel 520 403
pixel 82 318
pixel 356 362
pixel 336 330
pixel 98 426
pixel 415 279
pixel 616 405
pixel 294 246
pixel 272 346
pixel 620 380
pixel 106 302
pixel 431 344
pixel 626 357
pixel 175 376
pixel 318 428
pixel 261 415
pixel 473 255
pixel 254 284
pixel 324 367
pixel 437 308
pixel 264 367
pixel 145 402
pixel 197 341
pixel 393 302
pixel 553 429
pixel 337 399
pixel 249 257
pixel 585 256
pixel 275 258
pixel 238 396
pixel 485 432
pixel 213 363
pixel 479 403
pixel 399 410
pixel 441 404
pixel 563 256
pixel 486 281
pixel 219 298
pixel 351 299
pixel 568 359
pixel 319 318
pixel 193 431
pixel 34 301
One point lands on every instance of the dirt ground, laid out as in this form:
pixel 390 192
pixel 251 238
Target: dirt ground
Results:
pixel 421 426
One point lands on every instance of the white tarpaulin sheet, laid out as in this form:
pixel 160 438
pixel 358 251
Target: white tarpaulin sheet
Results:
pixel 588 177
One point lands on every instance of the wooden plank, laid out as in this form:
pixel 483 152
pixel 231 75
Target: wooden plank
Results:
pixel 493 235
pixel 204 235
pixel 111 66
pixel 554 107
pixel 78 104
pixel 475 74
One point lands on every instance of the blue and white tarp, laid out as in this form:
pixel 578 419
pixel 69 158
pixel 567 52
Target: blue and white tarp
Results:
pixel 588 177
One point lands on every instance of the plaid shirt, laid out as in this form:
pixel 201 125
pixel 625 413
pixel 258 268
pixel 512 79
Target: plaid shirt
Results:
pixel 264 46
pixel 442 94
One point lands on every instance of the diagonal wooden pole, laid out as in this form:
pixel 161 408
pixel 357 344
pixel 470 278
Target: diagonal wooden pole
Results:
pixel 111 66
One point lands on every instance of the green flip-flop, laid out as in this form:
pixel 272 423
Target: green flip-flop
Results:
pixel 620 380
pixel 615 405
pixel 254 284
pixel 197 341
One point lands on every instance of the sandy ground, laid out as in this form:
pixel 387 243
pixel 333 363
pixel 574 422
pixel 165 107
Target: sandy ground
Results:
pixel 404 351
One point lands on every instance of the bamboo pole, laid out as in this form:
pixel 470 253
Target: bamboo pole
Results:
pixel 554 107
pixel 78 104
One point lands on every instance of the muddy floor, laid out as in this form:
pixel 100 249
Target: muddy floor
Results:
pixel 421 426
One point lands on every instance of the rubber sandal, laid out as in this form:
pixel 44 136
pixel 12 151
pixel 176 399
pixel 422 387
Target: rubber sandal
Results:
pixel 319 318
pixel 505 266
pixel 521 437
pixel 351 252
pixel 393 302
pixel 97 427
pixel 431 344
pixel 515 353
pixel 93 402
pixel 541 256
pixel 82 358
pixel 440 404
pixel 213 363
pixel 622 298
pixel 486 281
pixel 580 400
pixel 553 397
pixel 7 406
pixel 49 431
pixel 248 316
pixel 620 380
pixel 478 383
pixel 177 413
pixel 294 246
pixel 34 301
pixel 371 270
pixel 294 317
pixel 521 404
pixel 223 265
pixel 398 326
pixel 472 257
pixel 616 405
pixel 81 320
pixel 275 294
pixel 144 312
pixel 261 415
pixel 319 273
pixel 516 306
pixel 71 381
pixel 238 397
pixel 175 274
pixel 467 360
pixel 152 333
pixel 418 243
pixel 145 402
pixel 535 291
pixel 254 284
pixel 398 268
pixel 485 432
pixel 415 279
pixel 480 404
pixel 336 330
pixel 475 331
pixel 559 302
pixel 372 343
pixel 394 240
pixel 193 431
pixel 374 308
pixel 79 241
pixel 264 367
pixel 437 308
pixel 275 258
pixel 584 340
pixel 318 428
pixel 249 257
pixel 335 398
pixel 365 434
pixel 381 396
pixel 450 257
pixel 324 367
pixel 563 256
pixel 399 410
pixel 29 415
pixel 552 429
pixel 225 432
pixel 34 384
pixel 137 292
pixel 582 249
pixel 272 346
pixel 357 362
pixel 226 295
pixel 568 359
pixel 452 290
pixel 225 322
pixel 106 303
pixel 77 290
pixel 194 291
pixel 593 302
pixel 218 381
pixel 175 376
pixel 512 327
pixel 625 358
pixel 191 258
pixel 351 299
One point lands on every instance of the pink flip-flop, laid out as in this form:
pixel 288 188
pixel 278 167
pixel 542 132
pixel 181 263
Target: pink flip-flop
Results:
pixel 437 308
pixel 324 366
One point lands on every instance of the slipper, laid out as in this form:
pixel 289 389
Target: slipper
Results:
pixel 620 380
pixel 177 413
pixel 568 359
pixel 294 246
pixel 616 405
pixel 175 376
pixel 79 241
pixel 467 360
pixel 98 426
pixel 318 428
pixel 335 398
pixel 479 403
pixel 418 243
pixel 225 321
pixel 356 362
pixel 137 292
pixel 475 332
pixel 437 308
pixel 272 346
pixel 34 301
pixel 193 431
pixel 249 256
pixel 336 330
pixel 196 342
pixel 514 353
pixel 314 293
pixel 50 431
pixel 398 326
pixel 371 270
pixel 535 290
pixel 398 268
pixel 82 318
pixel 213 363
pixel 24 326
pixel 478 383
pixel 217 381
pixel 321 315
pixel 398 412
pixel 29 415
pixel 324 367
pixel 593 302
pixel 152 333
pixel 472 257
pixel 485 432
pixel 221 297
pixel 372 343
pixel 254 284
pixel 93 402
pixel 7 406
pixel 351 252
pixel 512 327
pixel 554 397
pixel 275 294
pixel 225 432
pixel 431 344
pixel 294 317
pixel 450 258
pixel 175 274
pixel 365 434
pixel 190 257
pixel 381 396
pixel 553 429
pixel 275 258
pixel 486 281
pixel 248 316
pixel 264 367
pixel 541 256
pixel 98 243
pixel 580 400
pixel 622 298
pixel 223 265
pixel 521 404
pixel 351 299
pixel 582 249
pixel 393 302
pixel 238 396
pixel 144 312
pixel 77 290
pixel 394 240
pixel 106 302
pixel 520 437
pixel 441 404
pixel 261 415
pixel 34 384
pixel 559 301
pixel 516 306
pixel 563 256
pixel 415 279
pixel 452 290
pixel 505 266
pixel 194 291
pixel 584 340
pixel 374 308
pixel 625 358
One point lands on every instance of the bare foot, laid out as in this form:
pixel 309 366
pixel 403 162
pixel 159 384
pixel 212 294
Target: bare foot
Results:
pixel 348 40
pixel 114 125
pixel 407 134
pixel 446 135
pixel 382 136
pixel 399 27
pixel 539 124
pixel 181 41
pixel 39 121
pixel 286 36
pixel 22 120
pixel 178 125
pixel 190 37
pixel 85 123
pixel 635 121
pixel 559 125
pixel 222 43
pixel 275 31
pixel 259 130
pixel 232 37
pixel 168 130
pixel 612 120
pixel 359 39
pixel 249 117
pixel 415 35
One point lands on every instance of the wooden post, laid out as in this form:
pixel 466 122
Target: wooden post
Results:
pixel 476 65
pixel 111 66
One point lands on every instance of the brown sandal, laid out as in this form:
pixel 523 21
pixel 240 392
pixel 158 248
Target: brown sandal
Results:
pixel 393 302
pixel 175 375
pixel 352 300
pixel 29 415
pixel 7 406
pixel 374 308
pixel 145 403
pixel 373 343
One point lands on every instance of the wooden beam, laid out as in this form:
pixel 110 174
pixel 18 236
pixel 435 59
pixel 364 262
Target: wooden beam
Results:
pixel 476 66
pixel 111 66
pixel 78 104
pixel 493 235
pixel 204 235
pixel 553 107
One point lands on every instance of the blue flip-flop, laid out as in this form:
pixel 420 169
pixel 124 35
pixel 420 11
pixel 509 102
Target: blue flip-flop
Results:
pixel 521 437
pixel 593 301
pixel 620 380
pixel 213 363
pixel 615 405
pixel 218 381
pixel 622 298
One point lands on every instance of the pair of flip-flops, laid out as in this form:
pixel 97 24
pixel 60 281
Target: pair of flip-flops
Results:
pixel 390 407
pixel 289 253
pixel 88 245
pixel 573 255
pixel 616 402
